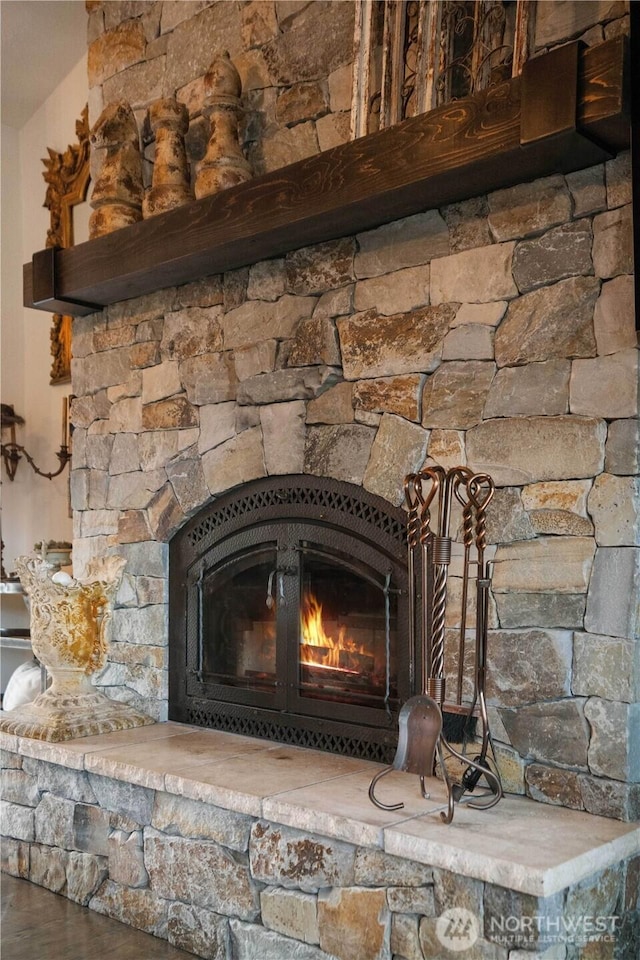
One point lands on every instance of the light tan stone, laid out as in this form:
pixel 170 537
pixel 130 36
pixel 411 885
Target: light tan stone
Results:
pixel 333 406
pixel 333 130
pixel 455 395
pixel 446 447
pixel 235 461
pixel 565 495
pixel 301 101
pixel 537 388
pixel 335 303
pixel 374 346
pixel 396 292
pixel 283 431
pixel 160 381
pixel 256 321
pixel 291 913
pixel 194 41
pixel 614 505
pixel 399 395
pixel 209 378
pixel 555 731
pixel 548 564
pixel 605 386
pixel 259 23
pixel 474 276
pixel 528 666
pixel 468 342
pixel 292 859
pixel 290 144
pixel 354 923
pixel 398 449
pixel 613 242
pixel 259 358
pixel 487 314
pixel 525 450
pixel 529 208
pixel 115 50
pixel 614 316
pixel 340 88
pixel 402 243
pixel 217 424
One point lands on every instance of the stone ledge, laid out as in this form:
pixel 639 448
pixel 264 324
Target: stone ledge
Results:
pixel 520 844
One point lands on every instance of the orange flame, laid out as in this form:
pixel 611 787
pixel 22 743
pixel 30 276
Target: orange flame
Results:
pixel 314 635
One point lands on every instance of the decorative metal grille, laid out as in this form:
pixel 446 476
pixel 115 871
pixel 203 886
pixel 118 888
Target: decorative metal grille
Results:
pixel 321 498
pixel 348 746
pixel 432 52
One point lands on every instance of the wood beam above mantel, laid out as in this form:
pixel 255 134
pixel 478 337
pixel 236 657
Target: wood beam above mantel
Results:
pixel 567 111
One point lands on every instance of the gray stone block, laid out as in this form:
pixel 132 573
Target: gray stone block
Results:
pixel 192 818
pixel 479 275
pixel 605 386
pixel 534 389
pixel 200 872
pixel 554 731
pixel 622 452
pixel 554 610
pixel 250 941
pixel 562 252
pixel 399 448
pixel 528 666
pixel 198 931
pixel 529 208
pixel 376 868
pixel 54 822
pixel 404 243
pixel 17 821
pixel 614 749
pixel 340 451
pixel 613 602
pixel 126 799
pixel 17 786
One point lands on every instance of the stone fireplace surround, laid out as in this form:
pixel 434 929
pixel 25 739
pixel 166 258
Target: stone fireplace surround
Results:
pixel 496 332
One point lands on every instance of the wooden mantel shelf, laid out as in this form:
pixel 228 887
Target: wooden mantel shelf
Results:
pixel 567 111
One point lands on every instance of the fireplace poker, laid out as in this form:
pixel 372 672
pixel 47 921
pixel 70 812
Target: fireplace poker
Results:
pixel 413 528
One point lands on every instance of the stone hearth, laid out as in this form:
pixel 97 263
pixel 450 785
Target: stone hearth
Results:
pixel 218 842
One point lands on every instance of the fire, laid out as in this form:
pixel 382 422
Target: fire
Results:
pixel 316 646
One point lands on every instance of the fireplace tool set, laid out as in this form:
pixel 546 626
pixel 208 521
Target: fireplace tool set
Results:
pixel 423 737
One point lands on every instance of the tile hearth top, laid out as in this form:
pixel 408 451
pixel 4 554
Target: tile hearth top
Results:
pixel 519 844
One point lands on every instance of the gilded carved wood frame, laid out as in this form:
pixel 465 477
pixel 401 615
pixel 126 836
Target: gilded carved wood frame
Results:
pixel 67 178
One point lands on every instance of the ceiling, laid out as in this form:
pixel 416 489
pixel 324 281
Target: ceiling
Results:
pixel 40 42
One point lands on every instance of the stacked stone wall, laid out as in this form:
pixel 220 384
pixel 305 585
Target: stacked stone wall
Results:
pixel 497 332
pixel 226 885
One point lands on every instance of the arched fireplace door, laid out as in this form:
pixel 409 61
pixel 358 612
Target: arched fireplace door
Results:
pixel 288 616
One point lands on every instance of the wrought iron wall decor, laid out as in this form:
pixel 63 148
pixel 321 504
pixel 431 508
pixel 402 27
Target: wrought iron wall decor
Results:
pixel 411 56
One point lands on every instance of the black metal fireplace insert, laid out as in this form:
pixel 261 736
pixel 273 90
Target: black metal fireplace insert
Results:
pixel 288 616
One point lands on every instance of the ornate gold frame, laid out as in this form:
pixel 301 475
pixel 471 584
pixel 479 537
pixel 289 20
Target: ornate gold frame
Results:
pixel 67 178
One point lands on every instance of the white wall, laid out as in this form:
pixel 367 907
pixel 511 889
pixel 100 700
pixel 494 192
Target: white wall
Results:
pixel 32 506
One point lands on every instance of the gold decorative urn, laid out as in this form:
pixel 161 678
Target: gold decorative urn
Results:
pixel 69 620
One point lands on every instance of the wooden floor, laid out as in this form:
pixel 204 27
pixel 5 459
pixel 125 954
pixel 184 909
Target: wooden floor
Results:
pixel 39 925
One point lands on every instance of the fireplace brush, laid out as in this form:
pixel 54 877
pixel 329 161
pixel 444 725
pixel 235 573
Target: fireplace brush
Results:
pixel 424 736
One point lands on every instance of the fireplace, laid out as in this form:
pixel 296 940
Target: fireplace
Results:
pixel 288 616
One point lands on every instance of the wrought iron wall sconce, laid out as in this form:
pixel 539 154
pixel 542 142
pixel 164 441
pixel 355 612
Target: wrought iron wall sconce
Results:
pixel 12 452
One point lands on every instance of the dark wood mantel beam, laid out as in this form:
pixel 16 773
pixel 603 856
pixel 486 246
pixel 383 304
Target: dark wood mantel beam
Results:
pixel 568 110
